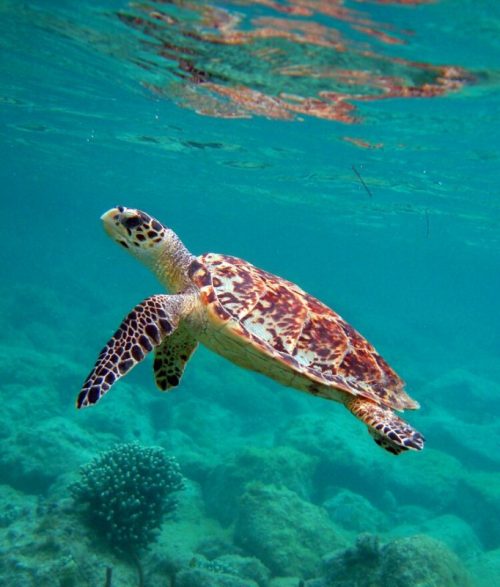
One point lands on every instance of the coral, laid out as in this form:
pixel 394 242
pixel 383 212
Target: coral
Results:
pixel 126 492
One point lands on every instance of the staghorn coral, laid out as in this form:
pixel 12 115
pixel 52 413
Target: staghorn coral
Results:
pixel 125 493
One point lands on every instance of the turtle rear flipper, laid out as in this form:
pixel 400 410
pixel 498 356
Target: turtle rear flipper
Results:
pixel 388 430
pixel 171 358
pixel 145 328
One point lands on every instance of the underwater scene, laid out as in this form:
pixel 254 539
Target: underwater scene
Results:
pixel 344 148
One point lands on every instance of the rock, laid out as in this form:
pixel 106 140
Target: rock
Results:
pixel 463 426
pixel 476 390
pixel 16 507
pixel 486 569
pixel 213 546
pixel 347 456
pixel 406 562
pixel 354 512
pixel 37 456
pixel 126 418
pixel 246 394
pixel 408 516
pixel 188 534
pixel 281 466
pixel 484 503
pixel 449 529
pixel 288 534
pixel 203 577
pixel 42 541
pixel 197 462
pixel 433 480
pixel 226 570
pixel 352 566
pixel 421 560
pixel 206 423
pixel 247 567
pixel 285 582
pixel 455 533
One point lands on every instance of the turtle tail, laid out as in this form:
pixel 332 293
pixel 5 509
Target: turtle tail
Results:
pixel 388 430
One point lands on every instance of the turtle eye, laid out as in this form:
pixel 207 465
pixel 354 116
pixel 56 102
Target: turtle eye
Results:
pixel 132 222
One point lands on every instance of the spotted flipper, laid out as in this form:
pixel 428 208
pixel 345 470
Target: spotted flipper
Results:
pixel 388 430
pixel 171 358
pixel 145 328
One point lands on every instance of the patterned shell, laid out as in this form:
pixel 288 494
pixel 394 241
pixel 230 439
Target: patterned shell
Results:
pixel 296 329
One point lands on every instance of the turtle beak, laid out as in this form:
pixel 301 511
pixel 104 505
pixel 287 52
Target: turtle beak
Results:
pixel 113 214
pixel 119 222
pixel 109 219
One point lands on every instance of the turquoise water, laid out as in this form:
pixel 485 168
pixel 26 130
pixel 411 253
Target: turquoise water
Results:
pixel 350 147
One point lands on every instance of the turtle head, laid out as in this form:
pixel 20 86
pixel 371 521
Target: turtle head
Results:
pixel 150 242
pixel 135 231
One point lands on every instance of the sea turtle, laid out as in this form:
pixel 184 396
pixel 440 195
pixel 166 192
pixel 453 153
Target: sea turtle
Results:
pixel 253 318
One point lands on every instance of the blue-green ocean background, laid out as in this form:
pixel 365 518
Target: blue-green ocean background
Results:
pixel 414 267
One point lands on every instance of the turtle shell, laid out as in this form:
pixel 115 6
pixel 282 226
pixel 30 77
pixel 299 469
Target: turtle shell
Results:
pixel 281 329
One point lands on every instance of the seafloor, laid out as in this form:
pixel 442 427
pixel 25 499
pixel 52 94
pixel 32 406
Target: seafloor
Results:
pixel 294 490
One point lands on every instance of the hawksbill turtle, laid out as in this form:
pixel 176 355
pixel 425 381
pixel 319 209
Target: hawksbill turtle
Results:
pixel 251 317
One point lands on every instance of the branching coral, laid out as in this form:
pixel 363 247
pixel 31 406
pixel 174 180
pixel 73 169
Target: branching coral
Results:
pixel 126 492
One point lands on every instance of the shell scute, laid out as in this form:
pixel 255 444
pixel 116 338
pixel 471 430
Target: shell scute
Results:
pixel 294 329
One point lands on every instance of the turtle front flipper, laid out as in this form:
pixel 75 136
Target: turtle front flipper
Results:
pixel 388 430
pixel 145 328
pixel 171 358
